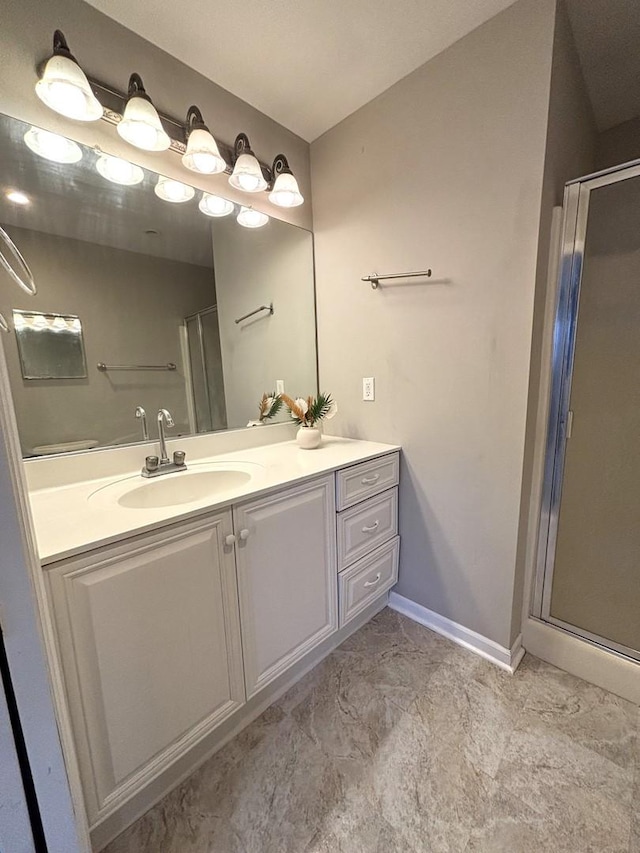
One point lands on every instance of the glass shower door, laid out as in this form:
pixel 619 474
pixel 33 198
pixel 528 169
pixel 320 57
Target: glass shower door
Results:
pixel 205 362
pixel 591 539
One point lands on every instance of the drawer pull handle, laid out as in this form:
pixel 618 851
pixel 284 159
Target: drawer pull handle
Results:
pixel 374 582
pixel 372 479
pixel 371 528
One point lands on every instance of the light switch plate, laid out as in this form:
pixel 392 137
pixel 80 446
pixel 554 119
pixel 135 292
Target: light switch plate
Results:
pixel 279 386
pixel 369 388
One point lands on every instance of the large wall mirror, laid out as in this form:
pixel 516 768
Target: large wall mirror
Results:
pixel 159 290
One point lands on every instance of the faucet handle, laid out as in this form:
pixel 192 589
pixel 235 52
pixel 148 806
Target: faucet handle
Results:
pixel 178 457
pixel 151 463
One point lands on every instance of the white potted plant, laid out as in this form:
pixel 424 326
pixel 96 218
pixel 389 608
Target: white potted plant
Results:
pixel 309 413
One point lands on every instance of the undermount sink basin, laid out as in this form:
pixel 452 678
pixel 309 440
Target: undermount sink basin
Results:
pixel 184 487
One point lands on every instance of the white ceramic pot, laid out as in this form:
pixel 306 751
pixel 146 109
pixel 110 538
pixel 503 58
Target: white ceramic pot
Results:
pixel 308 437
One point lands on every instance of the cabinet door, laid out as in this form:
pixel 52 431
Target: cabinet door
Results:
pixel 287 583
pixel 149 637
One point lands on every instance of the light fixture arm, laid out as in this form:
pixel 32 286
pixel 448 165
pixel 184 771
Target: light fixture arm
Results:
pixel 242 146
pixel 61 47
pixel 136 88
pixel 194 121
pixel 280 167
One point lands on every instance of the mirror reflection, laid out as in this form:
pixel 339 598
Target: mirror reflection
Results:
pixel 177 305
pixel 50 346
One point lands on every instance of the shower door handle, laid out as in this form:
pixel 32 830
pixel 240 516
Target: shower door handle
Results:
pixel 569 424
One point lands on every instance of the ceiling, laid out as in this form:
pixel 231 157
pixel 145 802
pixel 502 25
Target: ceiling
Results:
pixel 306 63
pixel 607 36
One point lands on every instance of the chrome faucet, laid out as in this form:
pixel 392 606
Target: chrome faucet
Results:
pixel 154 466
pixel 164 417
pixel 142 416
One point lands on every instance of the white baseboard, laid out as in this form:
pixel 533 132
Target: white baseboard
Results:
pixel 508 659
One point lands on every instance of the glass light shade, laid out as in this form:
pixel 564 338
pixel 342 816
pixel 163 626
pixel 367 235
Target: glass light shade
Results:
pixel 250 218
pixel 141 126
pixel 247 175
pixel 52 146
pixel 174 191
pixel 65 89
pixel 213 205
pixel 285 192
pixel 119 171
pixel 202 154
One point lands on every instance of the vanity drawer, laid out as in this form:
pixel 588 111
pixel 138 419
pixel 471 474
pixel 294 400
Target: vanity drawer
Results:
pixel 363 582
pixel 366 479
pixel 365 526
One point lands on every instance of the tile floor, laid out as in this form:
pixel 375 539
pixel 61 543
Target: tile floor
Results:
pixel 402 742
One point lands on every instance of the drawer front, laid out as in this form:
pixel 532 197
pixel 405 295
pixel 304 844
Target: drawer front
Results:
pixel 365 526
pixel 366 479
pixel 367 579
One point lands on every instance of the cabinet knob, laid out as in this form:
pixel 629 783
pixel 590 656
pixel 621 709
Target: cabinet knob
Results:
pixel 244 534
pixel 230 540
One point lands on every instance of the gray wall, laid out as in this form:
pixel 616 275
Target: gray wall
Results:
pixel 618 145
pixel 257 267
pixel 443 170
pixel 109 52
pixel 569 153
pixel 130 306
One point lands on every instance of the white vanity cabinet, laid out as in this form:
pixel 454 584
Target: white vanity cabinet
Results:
pixel 286 557
pixel 172 640
pixel 149 639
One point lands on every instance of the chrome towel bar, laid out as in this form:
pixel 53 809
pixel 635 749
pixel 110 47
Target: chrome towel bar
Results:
pixel 169 366
pixel 375 278
pixel 268 308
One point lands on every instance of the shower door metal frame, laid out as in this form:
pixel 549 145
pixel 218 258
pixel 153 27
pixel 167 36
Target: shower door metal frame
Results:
pixel 212 309
pixel 574 230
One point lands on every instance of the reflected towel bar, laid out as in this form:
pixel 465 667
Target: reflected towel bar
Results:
pixel 268 308
pixel 375 278
pixel 102 366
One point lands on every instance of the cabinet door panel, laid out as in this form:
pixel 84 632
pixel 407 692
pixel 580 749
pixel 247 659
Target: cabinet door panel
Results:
pixel 150 648
pixel 286 577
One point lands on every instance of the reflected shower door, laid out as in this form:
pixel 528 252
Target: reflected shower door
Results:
pixel 592 577
pixel 205 359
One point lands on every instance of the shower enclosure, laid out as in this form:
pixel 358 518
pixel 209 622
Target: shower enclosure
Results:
pixel 588 573
pixel 205 378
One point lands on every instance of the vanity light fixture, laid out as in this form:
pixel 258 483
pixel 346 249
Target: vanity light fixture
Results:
pixel 247 173
pixel 17 197
pixel 52 146
pixel 202 154
pixel 214 205
pixel 64 87
pixel 285 191
pixel 119 171
pixel 141 125
pixel 174 191
pixel 250 218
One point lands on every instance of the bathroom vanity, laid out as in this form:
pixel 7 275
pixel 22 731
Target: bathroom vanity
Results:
pixel 183 606
pixel 176 606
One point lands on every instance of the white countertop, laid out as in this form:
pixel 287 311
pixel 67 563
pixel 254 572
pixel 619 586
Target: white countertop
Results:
pixel 70 519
